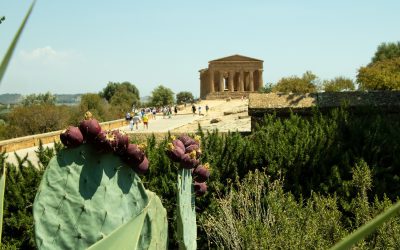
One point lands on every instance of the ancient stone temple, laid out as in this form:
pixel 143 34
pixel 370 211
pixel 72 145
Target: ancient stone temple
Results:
pixel 232 76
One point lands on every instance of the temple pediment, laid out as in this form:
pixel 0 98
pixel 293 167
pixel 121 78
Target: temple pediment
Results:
pixel 236 58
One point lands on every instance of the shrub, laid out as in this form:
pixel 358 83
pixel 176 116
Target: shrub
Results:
pixel 258 214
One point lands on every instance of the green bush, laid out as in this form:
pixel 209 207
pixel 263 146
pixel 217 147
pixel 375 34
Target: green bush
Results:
pixel 257 213
pixel 22 181
pixel 21 185
pixel 317 153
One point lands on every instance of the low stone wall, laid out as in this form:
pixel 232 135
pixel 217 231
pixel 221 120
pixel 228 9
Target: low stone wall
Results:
pixel 33 140
pixel 387 102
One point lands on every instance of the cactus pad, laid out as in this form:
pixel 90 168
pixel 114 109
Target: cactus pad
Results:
pixel 187 229
pixel 85 197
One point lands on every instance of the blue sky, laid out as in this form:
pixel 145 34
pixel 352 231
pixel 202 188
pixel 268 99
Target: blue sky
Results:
pixel 79 46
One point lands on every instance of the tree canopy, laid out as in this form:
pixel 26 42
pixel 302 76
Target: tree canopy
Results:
pixel 381 75
pixel 338 84
pixel 386 51
pixel 120 101
pixel 162 96
pixel 113 87
pixel 295 84
pixel 184 97
pixel 41 118
pixel 267 88
pixel 34 99
pixel 95 104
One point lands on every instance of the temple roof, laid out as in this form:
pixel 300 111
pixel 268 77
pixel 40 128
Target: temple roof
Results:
pixel 236 58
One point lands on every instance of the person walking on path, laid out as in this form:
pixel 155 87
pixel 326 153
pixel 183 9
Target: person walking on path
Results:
pixel 128 117
pixel 145 121
pixel 154 112
pixel 199 110
pixel 193 109
pixel 207 108
pixel 169 112
pixel 175 110
pixel 135 121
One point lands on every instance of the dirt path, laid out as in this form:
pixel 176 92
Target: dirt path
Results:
pixel 231 116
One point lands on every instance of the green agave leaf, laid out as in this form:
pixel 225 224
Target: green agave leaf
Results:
pixel 10 51
pixel 368 228
pixel 2 189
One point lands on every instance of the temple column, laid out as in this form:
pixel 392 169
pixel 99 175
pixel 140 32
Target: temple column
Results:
pixel 251 79
pixel 230 81
pixel 241 81
pixel 221 81
pixel 211 81
pixel 260 79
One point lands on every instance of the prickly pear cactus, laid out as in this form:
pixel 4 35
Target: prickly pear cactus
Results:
pixel 86 197
pixel 187 229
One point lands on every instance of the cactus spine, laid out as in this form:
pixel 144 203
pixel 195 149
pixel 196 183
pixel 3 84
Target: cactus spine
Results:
pixel 187 229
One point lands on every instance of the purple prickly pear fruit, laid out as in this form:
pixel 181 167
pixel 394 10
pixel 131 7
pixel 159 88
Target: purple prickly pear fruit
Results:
pixel 143 167
pixel 71 137
pixel 200 188
pixel 100 141
pixel 179 144
pixel 134 155
pixel 122 142
pixel 89 127
pixel 105 141
pixel 201 173
pixel 175 153
pixel 186 140
pixel 192 147
pixel 189 160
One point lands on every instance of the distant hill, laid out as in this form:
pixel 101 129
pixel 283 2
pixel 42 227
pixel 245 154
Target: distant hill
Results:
pixel 145 99
pixel 68 98
pixel 60 98
pixel 10 98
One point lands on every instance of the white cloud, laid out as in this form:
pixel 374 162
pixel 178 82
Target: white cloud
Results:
pixel 46 55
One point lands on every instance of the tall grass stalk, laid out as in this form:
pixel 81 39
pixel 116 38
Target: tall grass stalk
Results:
pixel 368 228
pixel 10 51
pixel 2 189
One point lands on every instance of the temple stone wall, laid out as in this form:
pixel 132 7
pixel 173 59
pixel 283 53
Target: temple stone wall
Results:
pixel 229 75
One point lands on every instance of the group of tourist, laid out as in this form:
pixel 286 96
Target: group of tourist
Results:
pixel 167 111
pixel 199 109
pixel 135 117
